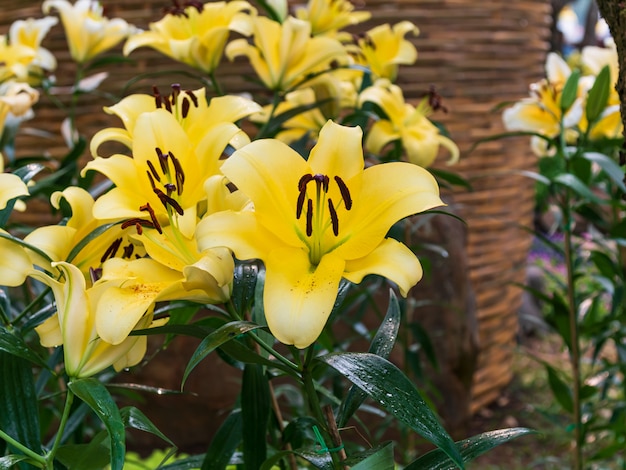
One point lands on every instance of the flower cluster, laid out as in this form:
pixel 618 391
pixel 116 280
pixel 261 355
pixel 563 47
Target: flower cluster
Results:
pixel 543 111
pixel 195 191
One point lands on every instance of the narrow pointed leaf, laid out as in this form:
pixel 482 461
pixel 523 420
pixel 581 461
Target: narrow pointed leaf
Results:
pixel 16 346
pixel 469 448
pixel 255 413
pixel 321 461
pixel 610 167
pixel 134 418
pixel 580 188
pixel 560 389
pixel 570 91
pixel 598 94
pixel 19 412
pixel 224 443
pixel 392 389
pixel 98 398
pixel 213 341
pixel 382 344
pixel 383 459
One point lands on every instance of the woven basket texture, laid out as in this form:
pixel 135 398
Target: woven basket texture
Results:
pixel 478 54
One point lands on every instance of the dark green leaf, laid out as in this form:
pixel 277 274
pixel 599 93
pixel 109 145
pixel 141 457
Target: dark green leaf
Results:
pixel 224 443
pixel 19 412
pixel 382 344
pixel 560 389
pixel 604 263
pixel 572 182
pixel 387 385
pixel 609 166
pixel 451 178
pixel 383 459
pixel 213 341
pixel 188 463
pixel 244 283
pixel 134 418
pixel 322 461
pixel 237 351
pixel 598 95
pixel 13 344
pixel 92 456
pixel 570 91
pixel 469 449
pixel 98 398
pixel 255 413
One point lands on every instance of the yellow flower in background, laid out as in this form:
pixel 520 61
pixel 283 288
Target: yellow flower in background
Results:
pixel 16 60
pixel 163 182
pixel 196 35
pixel 16 101
pixel 283 55
pixel 384 48
pixel 305 122
pixel 30 33
pixel 330 16
pixel 420 138
pixel 541 112
pixel 316 221
pixel 88 32
pixel 75 324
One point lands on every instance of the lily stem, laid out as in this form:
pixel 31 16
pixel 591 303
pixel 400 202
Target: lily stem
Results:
pixel 69 398
pixel 41 460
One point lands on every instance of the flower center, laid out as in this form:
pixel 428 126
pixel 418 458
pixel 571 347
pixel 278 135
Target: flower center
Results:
pixel 320 212
pixel 171 102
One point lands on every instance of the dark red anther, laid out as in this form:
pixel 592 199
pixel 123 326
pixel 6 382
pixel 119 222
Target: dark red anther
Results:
pixel 138 223
pixel 304 181
pixel 158 100
pixel 166 200
pixel 153 171
pixel 128 251
pixel 162 161
pixel 300 203
pixel 345 192
pixel 192 97
pixel 309 218
pixel 334 220
pixel 179 173
pixel 111 251
pixel 155 222
pixel 185 106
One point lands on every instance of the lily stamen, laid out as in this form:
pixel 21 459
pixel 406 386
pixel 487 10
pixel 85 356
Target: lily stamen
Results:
pixel 155 222
pixel 345 193
pixel 154 172
pixel 309 218
pixel 333 217
pixel 111 251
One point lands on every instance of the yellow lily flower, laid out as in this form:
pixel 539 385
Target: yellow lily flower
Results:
pixel 316 221
pixel 58 241
pixel 30 33
pixel 541 112
pixel 11 186
pixel 306 122
pixel 330 16
pixel 75 324
pixel 190 108
pixel 15 264
pixel 384 48
pixel 196 35
pixel 16 60
pixel 420 138
pixel 88 32
pixel 284 54
pixel 16 101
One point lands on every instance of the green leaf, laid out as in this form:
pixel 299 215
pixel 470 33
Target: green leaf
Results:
pixel 244 283
pixel 188 463
pixel 450 178
pixel 8 461
pixel 609 166
pixel 13 344
pixel 214 340
pixel 604 263
pixel 570 91
pixel 19 412
pixel 255 414
pixel 92 456
pixel 387 385
pixel 134 418
pixel 598 95
pixel 98 398
pixel 469 448
pixel 224 443
pixel 572 182
pixel 321 461
pixel 560 389
pixel 382 344
pixel 380 460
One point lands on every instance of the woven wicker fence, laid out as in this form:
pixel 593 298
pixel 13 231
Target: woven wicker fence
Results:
pixel 478 54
